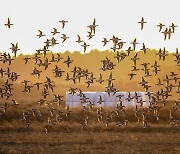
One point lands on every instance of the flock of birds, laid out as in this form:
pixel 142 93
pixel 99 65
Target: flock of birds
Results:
pixel 40 58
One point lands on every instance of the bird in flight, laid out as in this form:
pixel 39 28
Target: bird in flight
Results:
pixel 104 41
pixel 55 31
pixel 79 39
pixel 63 23
pixel 173 27
pixel 8 23
pixel 142 22
pixel 160 26
pixel 64 37
pixel 93 27
pixel 85 46
pixel 40 34
pixel 134 43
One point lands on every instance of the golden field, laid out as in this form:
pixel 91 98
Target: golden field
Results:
pixel 92 62
pixel 159 137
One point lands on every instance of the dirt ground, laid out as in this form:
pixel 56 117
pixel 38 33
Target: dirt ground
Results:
pixel 90 142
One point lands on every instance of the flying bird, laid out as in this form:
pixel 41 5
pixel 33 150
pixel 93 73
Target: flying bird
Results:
pixel 40 34
pixel 63 22
pixel 55 31
pixel 93 27
pixel 8 23
pixel 165 33
pixel 64 37
pixel 173 27
pixel 104 41
pixel 134 43
pixel 85 46
pixel 79 39
pixel 160 26
pixel 129 51
pixel 144 49
pixel 142 22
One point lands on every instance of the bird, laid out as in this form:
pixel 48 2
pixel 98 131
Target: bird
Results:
pixel 117 56
pixel 134 59
pixel 37 84
pixel 9 59
pixel 173 27
pixel 40 34
pixel 159 83
pixel 104 41
pixel 52 58
pixel 53 41
pixel 73 78
pixel 79 39
pixel 131 75
pixel 47 43
pixel 165 33
pixel 14 103
pixel 155 65
pixel 144 49
pixel 142 22
pixel 135 68
pixel 90 35
pixel 110 78
pixel 93 27
pixel 100 101
pixel 100 80
pixel 85 46
pixel 64 37
pixel 176 106
pixel 41 101
pixel 9 24
pixel 120 44
pixel 68 61
pixel 14 48
pixel 44 50
pixel 55 31
pixel 63 22
pixel 58 58
pixel 114 48
pixel 115 40
pixel 163 54
pixel 72 91
pixel 36 72
pixel 26 59
pixel 129 50
pixel 129 97
pixel 143 82
pixel 134 43
pixel 145 66
pixel 2 72
pixel 177 55
pixel 160 26
pixel 169 33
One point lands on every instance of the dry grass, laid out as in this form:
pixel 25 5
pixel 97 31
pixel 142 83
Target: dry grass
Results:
pixel 11 120
pixel 90 142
